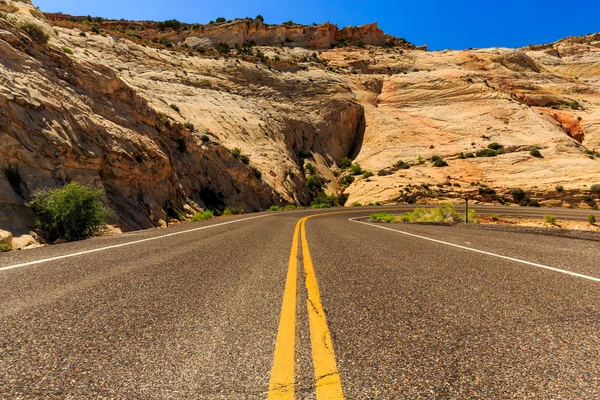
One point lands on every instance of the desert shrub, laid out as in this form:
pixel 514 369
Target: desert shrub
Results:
pixel 202 215
pixel 442 214
pixel 221 20
pixel 495 146
pixel 260 18
pixel 486 190
pixel 494 217
pixel 222 48
pixel 345 163
pixel 591 219
pixel 435 158
pixel 367 174
pixel 486 153
pixel 256 172
pixel 67 50
pixel 461 156
pixel 518 194
pixel 355 169
pixel 36 32
pixel 551 219
pixel 313 182
pixel 171 23
pixel 164 41
pixel 440 163
pixel 346 180
pixel 310 168
pixel 595 188
pixel 82 34
pixel 236 152
pixel 356 204
pixel 323 200
pixel 559 188
pixel 174 107
pixel 587 198
pixel 73 212
pixel 535 153
pixel 4 248
pixel 402 165
pixel 232 211
pixel 244 158
pixel 189 126
pixel 273 208
pixel 533 203
pixel 383 217
pixel 205 139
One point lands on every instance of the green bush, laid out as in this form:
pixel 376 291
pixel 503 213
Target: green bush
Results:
pixel 435 158
pixel 356 169
pixel 232 211
pixel 595 188
pixel 402 165
pixel 174 107
pixel 73 212
pixel 587 198
pixel 442 214
pixel 440 163
pixel 202 215
pixel 495 146
pixel 67 50
pixel 313 182
pixel 346 180
pixel 356 204
pixel 486 190
pixel 310 168
pixel 559 188
pixel 36 32
pixel 205 139
pixel 236 152
pixel 383 217
pixel 591 219
pixel 345 163
pixel 367 174
pixel 551 219
pixel 535 153
pixel 518 194
pixel 222 48
pixel 322 200
pixel 189 126
pixel 4 248
pixel 486 153
pixel 244 158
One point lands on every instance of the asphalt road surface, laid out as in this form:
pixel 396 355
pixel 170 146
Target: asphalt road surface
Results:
pixel 312 304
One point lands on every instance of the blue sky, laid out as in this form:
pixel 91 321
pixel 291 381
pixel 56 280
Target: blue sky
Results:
pixel 442 24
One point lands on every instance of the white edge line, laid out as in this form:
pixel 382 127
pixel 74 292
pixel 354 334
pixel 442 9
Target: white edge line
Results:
pixel 129 243
pixel 591 278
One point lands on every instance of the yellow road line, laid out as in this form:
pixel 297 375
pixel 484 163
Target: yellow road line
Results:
pixel 281 386
pixel 327 376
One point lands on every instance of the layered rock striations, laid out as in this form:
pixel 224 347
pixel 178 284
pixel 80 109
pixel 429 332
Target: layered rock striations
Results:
pixel 154 114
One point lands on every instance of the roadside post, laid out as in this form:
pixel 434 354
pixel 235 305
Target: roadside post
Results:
pixel 467 207
pixel 167 212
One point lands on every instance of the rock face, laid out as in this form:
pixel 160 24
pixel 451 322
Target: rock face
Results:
pixel 152 123
pixel 248 30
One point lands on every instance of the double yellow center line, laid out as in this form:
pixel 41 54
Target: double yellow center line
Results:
pixel 327 377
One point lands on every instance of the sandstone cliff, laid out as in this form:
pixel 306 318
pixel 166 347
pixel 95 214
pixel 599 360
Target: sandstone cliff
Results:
pixel 104 104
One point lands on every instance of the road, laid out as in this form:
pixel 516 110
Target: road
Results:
pixel 311 304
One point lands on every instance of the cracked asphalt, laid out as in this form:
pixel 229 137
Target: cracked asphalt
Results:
pixel 195 315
